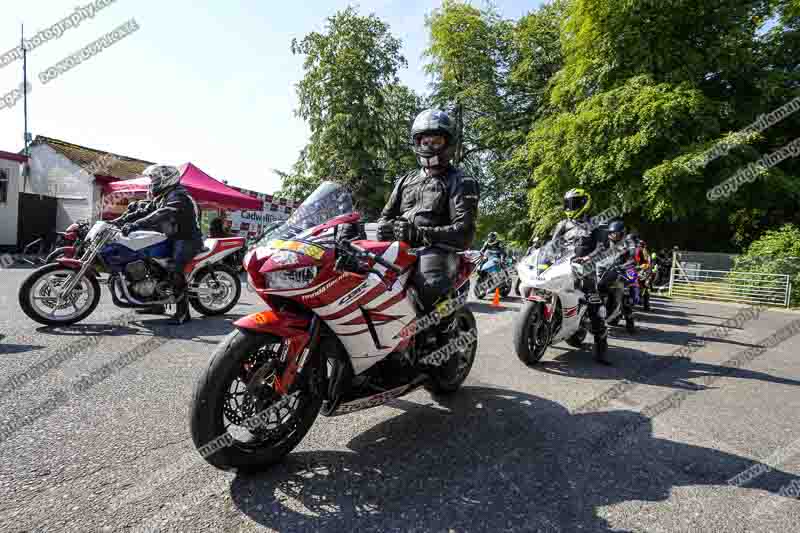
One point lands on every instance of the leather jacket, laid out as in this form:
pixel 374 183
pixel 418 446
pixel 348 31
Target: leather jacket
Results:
pixel 175 214
pixel 444 207
pixel 497 247
pixel 586 238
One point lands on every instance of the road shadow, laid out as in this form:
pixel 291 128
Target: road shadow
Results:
pixel 650 318
pixel 487 459
pixel 195 329
pixel 89 330
pixel 663 308
pixel 677 338
pixel 640 367
pixel 8 349
pixel 484 307
pixel 158 325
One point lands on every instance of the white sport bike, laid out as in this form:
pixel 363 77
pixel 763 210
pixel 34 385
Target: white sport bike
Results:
pixel 554 307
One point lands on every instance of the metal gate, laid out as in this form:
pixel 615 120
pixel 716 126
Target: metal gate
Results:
pixel 689 279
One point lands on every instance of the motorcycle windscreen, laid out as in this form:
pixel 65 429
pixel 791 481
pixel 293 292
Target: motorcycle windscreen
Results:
pixel 328 201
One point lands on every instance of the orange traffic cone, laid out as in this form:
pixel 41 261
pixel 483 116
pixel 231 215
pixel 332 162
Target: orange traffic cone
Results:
pixel 496 301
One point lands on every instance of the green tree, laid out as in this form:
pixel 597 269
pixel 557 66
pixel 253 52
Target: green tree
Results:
pixel 646 91
pixel 357 111
pixel 493 74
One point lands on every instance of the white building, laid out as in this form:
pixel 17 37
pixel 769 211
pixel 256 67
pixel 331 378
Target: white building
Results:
pixel 10 171
pixel 75 176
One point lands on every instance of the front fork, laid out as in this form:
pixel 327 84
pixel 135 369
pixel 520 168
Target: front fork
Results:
pixel 297 356
pixel 86 264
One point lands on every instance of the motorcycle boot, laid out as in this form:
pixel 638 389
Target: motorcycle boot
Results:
pixel 182 313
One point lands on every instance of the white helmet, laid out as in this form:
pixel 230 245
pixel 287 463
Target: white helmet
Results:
pixel 162 178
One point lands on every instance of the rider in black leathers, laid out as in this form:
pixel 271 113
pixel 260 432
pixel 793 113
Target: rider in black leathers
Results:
pixel 579 232
pixel 434 208
pixel 171 211
pixel 494 244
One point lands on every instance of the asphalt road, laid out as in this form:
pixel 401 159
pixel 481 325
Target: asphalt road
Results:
pixel 514 450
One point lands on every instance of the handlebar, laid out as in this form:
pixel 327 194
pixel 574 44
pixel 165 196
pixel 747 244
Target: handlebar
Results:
pixel 381 261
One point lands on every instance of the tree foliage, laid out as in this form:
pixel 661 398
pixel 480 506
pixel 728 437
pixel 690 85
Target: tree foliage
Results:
pixel 356 109
pixel 621 98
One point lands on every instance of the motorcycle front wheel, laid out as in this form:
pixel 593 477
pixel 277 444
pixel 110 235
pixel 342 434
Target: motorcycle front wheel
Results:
pixel 465 325
pixel 238 418
pixel 530 333
pixel 38 296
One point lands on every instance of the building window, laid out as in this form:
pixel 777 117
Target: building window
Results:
pixel 3 185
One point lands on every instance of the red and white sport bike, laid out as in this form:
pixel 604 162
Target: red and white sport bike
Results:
pixel 342 331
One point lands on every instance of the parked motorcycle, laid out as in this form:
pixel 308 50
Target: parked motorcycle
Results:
pixel 554 308
pixel 339 333
pixel 73 241
pixel 622 295
pixel 492 264
pixel 138 269
pixel 646 277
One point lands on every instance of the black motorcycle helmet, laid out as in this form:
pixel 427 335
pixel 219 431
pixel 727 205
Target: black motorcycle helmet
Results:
pixel 616 230
pixel 433 136
pixel 492 237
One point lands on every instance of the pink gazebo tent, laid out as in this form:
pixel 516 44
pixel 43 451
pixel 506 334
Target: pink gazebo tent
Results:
pixel 206 191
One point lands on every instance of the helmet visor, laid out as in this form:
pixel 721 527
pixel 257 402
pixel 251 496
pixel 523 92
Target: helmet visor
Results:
pixel 431 142
pixel 575 203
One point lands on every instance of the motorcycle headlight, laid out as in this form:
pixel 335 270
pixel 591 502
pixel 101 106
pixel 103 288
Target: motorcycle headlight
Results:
pixel 285 258
pixel 296 278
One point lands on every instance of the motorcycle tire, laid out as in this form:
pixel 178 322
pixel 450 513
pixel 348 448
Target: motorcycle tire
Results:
pixel 646 301
pixel 630 325
pixel 528 318
pixel 516 287
pixel 505 290
pixel 30 281
pixel 208 406
pixel 438 386
pixel 237 287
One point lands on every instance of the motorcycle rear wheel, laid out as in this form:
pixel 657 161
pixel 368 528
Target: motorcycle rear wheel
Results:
pixel 232 293
pixel 211 406
pixel 530 333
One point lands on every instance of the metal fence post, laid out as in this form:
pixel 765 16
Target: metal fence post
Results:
pixel 672 270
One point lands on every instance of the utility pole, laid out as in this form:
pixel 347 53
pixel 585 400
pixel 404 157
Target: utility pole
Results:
pixel 26 165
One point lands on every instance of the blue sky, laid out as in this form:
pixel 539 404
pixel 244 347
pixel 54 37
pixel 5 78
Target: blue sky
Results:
pixel 210 83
